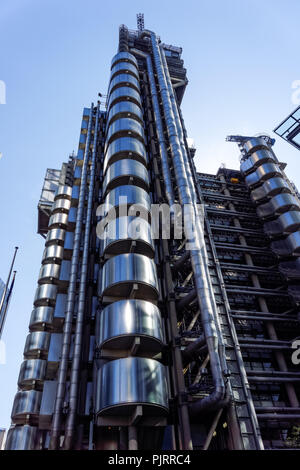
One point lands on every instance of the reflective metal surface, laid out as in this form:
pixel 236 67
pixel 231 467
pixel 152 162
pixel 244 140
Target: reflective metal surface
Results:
pixel 126 235
pixel 127 195
pixel 124 56
pixel 289 246
pixel 256 159
pixel 55 236
pixel 41 316
pixel 37 344
pixel 122 272
pixel 271 187
pixel 45 294
pixel 124 67
pixel 32 370
pixel 124 92
pixel 52 253
pixel 277 205
pixel 132 381
pixel 287 223
pixel 64 192
pixel 26 403
pixel 58 220
pixel 61 205
pixel 125 109
pixel 122 321
pixel 264 172
pixel 124 79
pixel 49 273
pixel 125 147
pixel 21 438
pixel 126 171
pixel 254 144
pixel 290 269
pixel 124 127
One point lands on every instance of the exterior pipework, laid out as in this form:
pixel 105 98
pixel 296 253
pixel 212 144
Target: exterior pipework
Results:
pixel 197 258
pixel 75 370
pixel 63 366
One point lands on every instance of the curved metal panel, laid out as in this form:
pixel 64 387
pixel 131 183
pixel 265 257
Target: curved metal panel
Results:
pixel 127 382
pixel 124 67
pixel 289 246
pixel 124 92
pixel 63 191
pixel 277 205
pixel 124 79
pixel 55 236
pixel 45 295
pixel 254 144
pixel 290 269
pixel 126 171
pixel 61 205
pixel 32 370
pixel 270 188
pixel 125 147
pixel 37 344
pixel 53 253
pixel 125 57
pixel 58 220
pixel 122 321
pixel 41 317
pixel 256 159
pixel 125 109
pixel 128 195
pixel 126 127
pixel 287 223
pixel 128 274
pixel 21 438
pixel 26 403
pixel 49 273
pixel 126 235
pixel 264 172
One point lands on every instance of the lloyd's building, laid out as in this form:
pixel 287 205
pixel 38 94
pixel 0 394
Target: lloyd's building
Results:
pixel 147 338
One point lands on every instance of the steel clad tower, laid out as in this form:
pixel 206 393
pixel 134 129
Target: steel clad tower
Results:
pixel 147 333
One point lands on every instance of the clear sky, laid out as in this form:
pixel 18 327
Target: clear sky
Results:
pixel 242 57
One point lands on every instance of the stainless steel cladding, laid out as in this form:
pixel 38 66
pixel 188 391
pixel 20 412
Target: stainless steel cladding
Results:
pixel 128 93
pixel 37 345
pixel 277 205
pixel 21 438
pixel 255 143
pixel 58 220
pixel 121 322
pixel 124 67
pixel 63 192
pixel 256 159
pixel 61 205
pixel 55 236
pixel 124 127
pixel 270 188
pixel 290 269
pixel 41 317
pixel 124 57
pixel 127 235
pixel 26 403
pixel 125 147
pixel 287 247
pixel 124 383
pixel 129 275
pixel 124 172
pixel 49 273
pixel 45 295
pixel 32 372
pixel 287 223
pixel 264 172
pixel 53 253
pixel 125 196
pixel 125 109
pixel 124 79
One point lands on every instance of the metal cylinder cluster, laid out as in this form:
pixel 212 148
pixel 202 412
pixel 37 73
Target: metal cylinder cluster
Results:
pixel 26 406
pixel 130 323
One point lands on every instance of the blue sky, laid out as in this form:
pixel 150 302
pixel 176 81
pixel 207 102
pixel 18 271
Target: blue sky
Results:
pixel 241 57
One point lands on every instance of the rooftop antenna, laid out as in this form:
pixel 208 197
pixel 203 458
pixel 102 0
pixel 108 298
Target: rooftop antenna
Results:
pixel 140 22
